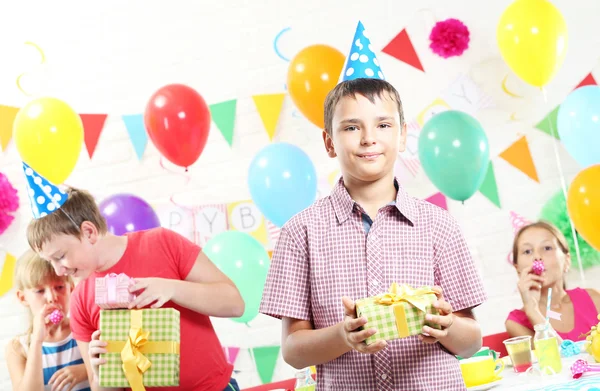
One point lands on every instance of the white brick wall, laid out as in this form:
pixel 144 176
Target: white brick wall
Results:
pixel 111 57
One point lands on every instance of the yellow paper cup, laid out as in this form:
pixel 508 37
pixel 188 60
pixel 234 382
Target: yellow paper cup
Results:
pixel 480 370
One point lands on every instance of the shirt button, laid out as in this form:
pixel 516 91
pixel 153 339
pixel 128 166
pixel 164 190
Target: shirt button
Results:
pixel 384 376
pixel 375 283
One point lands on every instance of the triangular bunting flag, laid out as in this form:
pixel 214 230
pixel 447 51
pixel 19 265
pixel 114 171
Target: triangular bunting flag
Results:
pixel 548 124
pixel 519 156
pixel 137 132
pixel 6 274
pixel 438 199
pixel 92 127
pixel 7 117
pixel 266 358
pixel 401 48
pixel 269 107
pixel 587 81
pixel 223 115
pixel 231 354
pixel 489 188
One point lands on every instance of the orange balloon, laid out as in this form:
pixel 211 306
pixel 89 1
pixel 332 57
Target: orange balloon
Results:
pixel 583 203
pixel 313 72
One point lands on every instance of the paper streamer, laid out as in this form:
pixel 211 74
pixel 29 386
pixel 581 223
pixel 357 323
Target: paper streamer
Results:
pixel 42 61
pixel 506 90
pixel 276 44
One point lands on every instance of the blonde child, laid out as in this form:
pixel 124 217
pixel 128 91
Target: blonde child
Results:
pixel 578 307
pixel 46 357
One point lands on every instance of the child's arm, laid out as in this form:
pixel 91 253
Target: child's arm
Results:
pixel 455 272
pixel 206 290
pixel 302 346
pixel 25 373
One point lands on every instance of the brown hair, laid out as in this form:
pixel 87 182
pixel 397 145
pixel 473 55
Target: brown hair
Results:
pixel 32 271
pixel 369 88
pixel 79 207
pixel 560 238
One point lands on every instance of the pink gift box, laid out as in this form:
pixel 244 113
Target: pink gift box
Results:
pixel 112 291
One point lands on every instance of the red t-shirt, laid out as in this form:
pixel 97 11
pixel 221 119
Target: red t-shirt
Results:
pixel 160 252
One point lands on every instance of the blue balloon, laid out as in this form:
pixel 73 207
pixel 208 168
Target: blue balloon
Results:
pixel 282 181
pixel 578 125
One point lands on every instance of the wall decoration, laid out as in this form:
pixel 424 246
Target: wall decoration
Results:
pixel 449 38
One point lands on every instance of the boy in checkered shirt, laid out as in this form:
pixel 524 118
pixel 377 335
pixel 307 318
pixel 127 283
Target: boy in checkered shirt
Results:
pixel 169 270
pixel 355 243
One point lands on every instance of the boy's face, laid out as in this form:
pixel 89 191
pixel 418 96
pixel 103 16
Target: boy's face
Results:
pixel 70 255
pixel 366 137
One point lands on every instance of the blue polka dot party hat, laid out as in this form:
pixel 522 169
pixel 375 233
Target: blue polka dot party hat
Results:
pixel 361 61
pixel 44 197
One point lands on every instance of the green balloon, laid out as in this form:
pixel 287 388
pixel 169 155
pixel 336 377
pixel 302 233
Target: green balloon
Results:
pixel 243 259
pixel 455 154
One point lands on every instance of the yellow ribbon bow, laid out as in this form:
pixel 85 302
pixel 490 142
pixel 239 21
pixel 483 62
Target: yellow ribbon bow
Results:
pixel 405 293
pixel 134 362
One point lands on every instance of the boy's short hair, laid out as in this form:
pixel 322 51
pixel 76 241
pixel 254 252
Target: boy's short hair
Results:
pixel 369 88
pixel 80 206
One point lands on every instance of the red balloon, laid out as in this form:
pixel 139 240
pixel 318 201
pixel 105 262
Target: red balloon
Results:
pixel 178 121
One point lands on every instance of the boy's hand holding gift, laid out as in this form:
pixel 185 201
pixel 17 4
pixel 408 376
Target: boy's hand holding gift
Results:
pixel 444 319
pixel 402 312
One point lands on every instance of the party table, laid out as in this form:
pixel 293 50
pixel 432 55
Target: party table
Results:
pixel 535 382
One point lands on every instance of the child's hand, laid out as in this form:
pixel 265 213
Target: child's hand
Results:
pixel 155 290
pixel 95 349
pixel 445 319
pixel 355 338
pixel 71 376
pixel 41 321
pixel 530 287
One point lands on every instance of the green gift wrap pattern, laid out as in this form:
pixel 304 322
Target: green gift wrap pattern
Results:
pixel 382 318
pixel 163 325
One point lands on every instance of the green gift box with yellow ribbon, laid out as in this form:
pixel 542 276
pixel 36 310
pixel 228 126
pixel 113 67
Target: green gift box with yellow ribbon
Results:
pixel 143 348
pixel 398 313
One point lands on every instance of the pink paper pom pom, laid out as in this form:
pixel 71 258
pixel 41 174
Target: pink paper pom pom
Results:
pixel 449 38
pixel 56 316
pixel 9 202
pixel 538 267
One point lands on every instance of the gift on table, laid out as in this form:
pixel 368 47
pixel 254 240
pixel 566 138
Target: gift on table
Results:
pixel 398 313
pixel 143 348
pixel 112 291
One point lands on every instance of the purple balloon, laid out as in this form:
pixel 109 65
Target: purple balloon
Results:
pixel 127 213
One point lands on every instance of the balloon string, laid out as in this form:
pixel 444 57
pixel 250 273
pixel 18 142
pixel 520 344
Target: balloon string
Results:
pixel 563 185
pixel 192 210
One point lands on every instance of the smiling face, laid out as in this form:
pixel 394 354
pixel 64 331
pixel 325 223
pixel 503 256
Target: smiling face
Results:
pixel 537 242
pixel 366 136
pixel 72 256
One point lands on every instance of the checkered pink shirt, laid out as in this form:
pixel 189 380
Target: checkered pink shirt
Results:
pixel 324 253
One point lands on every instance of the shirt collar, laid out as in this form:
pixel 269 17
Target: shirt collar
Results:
pixel 343 204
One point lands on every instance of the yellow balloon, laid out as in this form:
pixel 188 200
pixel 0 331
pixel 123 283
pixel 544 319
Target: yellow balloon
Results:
pixel 583 204
pixel 49 137
pixel 532 36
